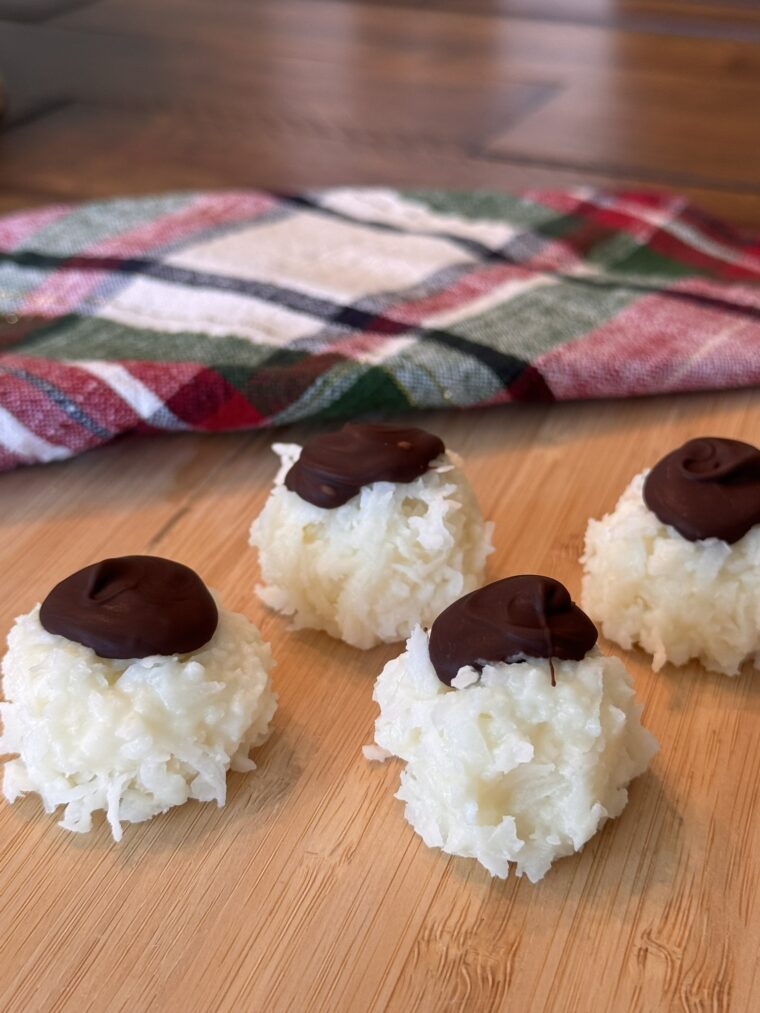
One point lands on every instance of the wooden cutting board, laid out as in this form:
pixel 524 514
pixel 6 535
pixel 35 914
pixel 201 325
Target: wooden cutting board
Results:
pixel 308 891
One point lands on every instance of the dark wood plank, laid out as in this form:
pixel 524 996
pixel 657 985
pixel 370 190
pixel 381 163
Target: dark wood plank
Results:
pixel 652 125
pixel 173 93
pixel 738 20
pixel 467 45
pixel 38 10
pixel 17 198
pixel 387 96
pixel 138 152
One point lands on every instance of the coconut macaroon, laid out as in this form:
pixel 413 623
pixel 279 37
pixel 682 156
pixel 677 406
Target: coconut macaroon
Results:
pixel 130 690
pixel 368 531
pixel 675 567
pixel 519 737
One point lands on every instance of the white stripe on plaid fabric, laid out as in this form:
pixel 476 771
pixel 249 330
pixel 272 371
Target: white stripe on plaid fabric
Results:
pixel 370 348
pixel 489 300
pixel 208 217
pixel 140 398
pixel 388 207
pixel 24 443
pixel 177 308
pixel 84 289
pixel 400 306
pixel 325 257
pixel 421 264
pixel 701 359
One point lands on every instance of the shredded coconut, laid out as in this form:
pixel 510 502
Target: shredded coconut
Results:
pixel 646 584
pixel 374 753
pixel 131 737
pixel 394 555
pixel 512 769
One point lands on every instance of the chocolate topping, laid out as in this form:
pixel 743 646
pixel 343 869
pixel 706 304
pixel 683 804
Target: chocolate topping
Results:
pixel 518 617
pixel 333 467
pixel 708 488
pixel 132 607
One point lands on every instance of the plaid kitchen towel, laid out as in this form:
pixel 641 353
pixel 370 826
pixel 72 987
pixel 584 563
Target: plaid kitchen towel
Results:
pixel 229 310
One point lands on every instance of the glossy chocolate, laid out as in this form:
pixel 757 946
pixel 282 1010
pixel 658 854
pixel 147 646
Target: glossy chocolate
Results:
pixel 333 467
pixel 132 607
pixel 516 618
pixel 708 488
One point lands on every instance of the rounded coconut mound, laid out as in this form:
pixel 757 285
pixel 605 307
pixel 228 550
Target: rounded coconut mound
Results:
pixel 646 584
pixel 508 768
pixel 394 555
pixel 132 737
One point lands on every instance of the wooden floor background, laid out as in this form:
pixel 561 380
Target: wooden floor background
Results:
pixel 308 892
pixel 139 95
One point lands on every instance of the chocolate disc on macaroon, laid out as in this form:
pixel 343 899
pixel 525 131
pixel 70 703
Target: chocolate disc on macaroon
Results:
pixel 708 488
pixel 130 690
pixel 526 616
pixel 512 768
pixel 674 567
pixel 132 607
pixel 368 531
pixel 333 467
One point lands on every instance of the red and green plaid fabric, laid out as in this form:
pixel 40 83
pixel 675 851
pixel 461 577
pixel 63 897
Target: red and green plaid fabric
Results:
pixel 231 310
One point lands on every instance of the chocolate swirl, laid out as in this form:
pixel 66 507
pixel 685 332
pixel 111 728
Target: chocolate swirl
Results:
pixel 333 467
pixel 708 488
pixel 509 620
pixel 132 607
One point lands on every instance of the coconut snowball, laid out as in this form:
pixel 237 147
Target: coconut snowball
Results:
pixel 645 583
pixel 131 737
pixel 509 768
pixel 394 555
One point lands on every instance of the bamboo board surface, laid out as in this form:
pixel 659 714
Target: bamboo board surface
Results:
pixel 309 892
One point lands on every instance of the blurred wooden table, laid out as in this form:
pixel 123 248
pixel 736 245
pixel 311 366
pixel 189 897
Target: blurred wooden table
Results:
pixel 308 892
pixel 139 95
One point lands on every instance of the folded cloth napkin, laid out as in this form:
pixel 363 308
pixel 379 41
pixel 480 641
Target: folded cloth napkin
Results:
pixel 230 310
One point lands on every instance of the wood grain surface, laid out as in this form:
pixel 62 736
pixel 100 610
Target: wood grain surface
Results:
pixel 309 892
